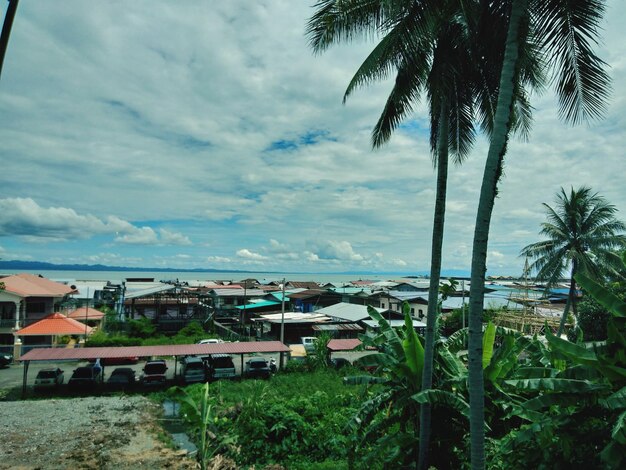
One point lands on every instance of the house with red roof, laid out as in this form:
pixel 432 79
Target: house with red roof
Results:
pixel 26 298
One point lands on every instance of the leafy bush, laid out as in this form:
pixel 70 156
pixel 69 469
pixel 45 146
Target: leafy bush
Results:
pixel 141 328
pixel 298 419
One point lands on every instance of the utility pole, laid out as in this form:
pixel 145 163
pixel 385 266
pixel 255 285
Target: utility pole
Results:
pixel 282 324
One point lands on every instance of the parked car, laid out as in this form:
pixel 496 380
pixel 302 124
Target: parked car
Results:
pixel 219 366
pixel 86 377
pixel 257 368
pixel 210 341
pixel 49 378
pixel 309 343
pixel 122 378
pixel 193 370
pixel 154 372
pixel 6 359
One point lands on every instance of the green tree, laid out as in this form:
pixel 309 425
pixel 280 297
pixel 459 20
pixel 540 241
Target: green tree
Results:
pixel 563 33
pixel 582 235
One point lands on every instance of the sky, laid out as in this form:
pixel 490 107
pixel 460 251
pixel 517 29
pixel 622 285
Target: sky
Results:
pixel 205 134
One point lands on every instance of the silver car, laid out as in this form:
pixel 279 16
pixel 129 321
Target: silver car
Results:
pixel 49 378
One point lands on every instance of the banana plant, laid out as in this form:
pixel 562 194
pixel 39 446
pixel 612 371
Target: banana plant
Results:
pixel 584 379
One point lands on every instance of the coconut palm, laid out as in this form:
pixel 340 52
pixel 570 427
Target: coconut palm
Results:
pixel 427 43
pixel 6 29
pixel 582 235
pixel 564 34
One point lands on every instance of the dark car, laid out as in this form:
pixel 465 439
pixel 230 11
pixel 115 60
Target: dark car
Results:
pixel 5 359
pixel 86 377
pixel 154 372
pixel 258 368
pixel 219 366
pixel 121 378
pixel 193 370
pixel 49 378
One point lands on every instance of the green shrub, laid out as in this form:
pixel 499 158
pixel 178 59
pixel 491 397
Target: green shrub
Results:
pixel 297 420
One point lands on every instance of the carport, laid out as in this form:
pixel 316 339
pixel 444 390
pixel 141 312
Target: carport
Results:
pixel 175 350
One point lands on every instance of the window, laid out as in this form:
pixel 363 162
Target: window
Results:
pixel 413 310
pixel 382 305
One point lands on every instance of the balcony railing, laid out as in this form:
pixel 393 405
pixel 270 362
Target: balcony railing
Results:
pixel 4 323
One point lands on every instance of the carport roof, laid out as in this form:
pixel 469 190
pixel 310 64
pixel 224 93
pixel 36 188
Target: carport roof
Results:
pixel 56 354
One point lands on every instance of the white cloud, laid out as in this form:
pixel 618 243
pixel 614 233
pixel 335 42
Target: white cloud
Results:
pixel 265 152
pixel 173 238
pixel 24 217
pixel 335 250
pixel 250 256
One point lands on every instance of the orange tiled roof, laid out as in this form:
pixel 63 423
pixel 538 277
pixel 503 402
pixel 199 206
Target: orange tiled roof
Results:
pixel 29 285
pixel 53 325
pixel 83 313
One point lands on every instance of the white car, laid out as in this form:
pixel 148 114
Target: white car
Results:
pixel 49 378
pixel 211 341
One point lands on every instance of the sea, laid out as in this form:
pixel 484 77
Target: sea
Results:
pixel 342 278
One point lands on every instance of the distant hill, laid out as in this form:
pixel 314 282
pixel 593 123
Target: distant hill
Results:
pixel 16 265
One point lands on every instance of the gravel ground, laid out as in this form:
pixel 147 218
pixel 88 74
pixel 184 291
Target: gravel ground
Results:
pixel 118 432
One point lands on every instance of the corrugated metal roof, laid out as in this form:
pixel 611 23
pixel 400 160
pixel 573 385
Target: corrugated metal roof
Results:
pixel 222 292
pixel 394 323
pixel 293 317
pixel 148 291
pixel 346 311
pixel 343 344
pixel 264 303
pixel 55 324
pixel 338 327
pixel 51 354
pixel 29 285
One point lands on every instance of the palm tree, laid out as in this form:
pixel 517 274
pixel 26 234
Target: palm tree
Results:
pixel 582 236
pixel 6 29
pixel 427 43
pixel 441 66
pixel 563 33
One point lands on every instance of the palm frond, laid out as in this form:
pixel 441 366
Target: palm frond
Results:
pixel 568 30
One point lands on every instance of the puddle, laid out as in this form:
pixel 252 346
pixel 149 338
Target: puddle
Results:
pixel 182 442
pixel 175 427
pixel 171 409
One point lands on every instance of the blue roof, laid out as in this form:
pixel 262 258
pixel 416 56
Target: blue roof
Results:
pixel 264 303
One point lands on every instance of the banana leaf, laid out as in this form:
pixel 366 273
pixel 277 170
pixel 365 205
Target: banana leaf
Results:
pixel 535 373
pixel 547 400
pixel 603 296
pixel 556 385
pixel 619 430
pixel 489 337
pixel 616 400
pixel 413 351
pixel 444 398
pixel 393 340
pixel 572 351
pixel 457 341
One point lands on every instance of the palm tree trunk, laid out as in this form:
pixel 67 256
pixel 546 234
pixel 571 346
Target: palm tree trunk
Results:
pixel 488 191
pixel 435 273
pixel 571 300
pixel 6 30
